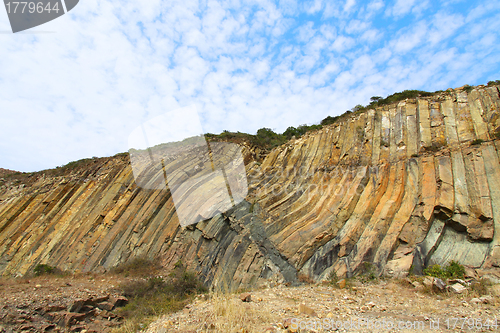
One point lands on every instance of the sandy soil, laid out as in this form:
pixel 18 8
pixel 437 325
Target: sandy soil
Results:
pixel 384 306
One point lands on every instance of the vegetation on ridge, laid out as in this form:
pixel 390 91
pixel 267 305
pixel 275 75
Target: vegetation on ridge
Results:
pixel 265 138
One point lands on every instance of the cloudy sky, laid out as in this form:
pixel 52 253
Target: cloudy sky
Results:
pixel 77 86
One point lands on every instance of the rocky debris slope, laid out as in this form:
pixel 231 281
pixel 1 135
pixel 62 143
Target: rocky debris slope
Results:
pixel 384 306
pixel 407 184
pixel 72 304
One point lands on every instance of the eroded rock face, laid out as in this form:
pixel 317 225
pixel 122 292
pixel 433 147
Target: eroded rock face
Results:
pixel 408 184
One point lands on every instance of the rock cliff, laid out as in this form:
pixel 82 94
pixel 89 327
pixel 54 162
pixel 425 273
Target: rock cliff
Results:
pixel 405 185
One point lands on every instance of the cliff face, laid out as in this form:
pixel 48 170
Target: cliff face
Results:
pixel 413 183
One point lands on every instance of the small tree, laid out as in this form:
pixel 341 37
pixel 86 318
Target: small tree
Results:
pixel 42 269
pixel 357 108
pixel 329 120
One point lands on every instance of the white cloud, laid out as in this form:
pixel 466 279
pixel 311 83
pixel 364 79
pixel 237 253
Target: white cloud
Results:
pixel 288 7
pixel 349 4
pixel 375 5
pixel 110 66
pixel 444 26
pixel 343 43
pixel 305 32
pixel 313 6
pixel 371 36
pixel 483 8
pixel 410 39
pixel 356 26
pixel 322 76
pixel 328 31
pixel 402 7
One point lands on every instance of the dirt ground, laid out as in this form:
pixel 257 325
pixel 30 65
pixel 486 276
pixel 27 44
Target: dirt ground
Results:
pixel 381 306
pixel 50 304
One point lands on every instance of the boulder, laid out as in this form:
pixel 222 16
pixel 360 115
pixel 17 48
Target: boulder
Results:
pixel 487 299
pixel 475 300
pixel 246 297
pixel 428 281
pixel 417 285
pixel 72 318
pixel 105 306
pixel 457 288
pixel 118 301
pixel 76 305
pixel 439 284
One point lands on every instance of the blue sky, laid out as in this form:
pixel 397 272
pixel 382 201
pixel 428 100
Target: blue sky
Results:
pixel 76 87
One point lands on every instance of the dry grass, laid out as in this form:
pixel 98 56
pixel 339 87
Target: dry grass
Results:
pixel 225 312
pixel 230 315
pixel 480 288
pixel 138 266
pixel 151 297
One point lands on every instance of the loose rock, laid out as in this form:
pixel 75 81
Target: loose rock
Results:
pixel 246 297
pixel 457 288
pixel 307 310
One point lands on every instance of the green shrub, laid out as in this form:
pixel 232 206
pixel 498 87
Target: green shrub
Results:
pixel 77 164
pixel 477 142
pixel 301 130
pixel 468 88
pixel 368 273
pixel 268 138
pixel 329 120
pixel 333 278
pixel 435 271
pixel 358 108
pixel 361 133
pixel 396 97
pixel 452 271
pixel 435 147
pixel 43 269
pixel 158 295
pixel 377 101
